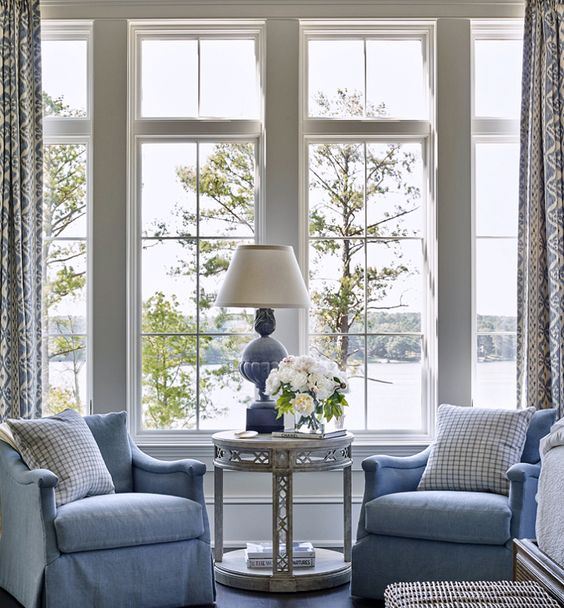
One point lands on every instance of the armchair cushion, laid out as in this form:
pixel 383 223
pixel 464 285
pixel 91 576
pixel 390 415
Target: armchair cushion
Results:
pixel 110 433
pixel 64 445
pixel 474 448
pixel 457 517
pixel 126 520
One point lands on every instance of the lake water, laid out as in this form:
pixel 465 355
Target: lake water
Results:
pixel 394 404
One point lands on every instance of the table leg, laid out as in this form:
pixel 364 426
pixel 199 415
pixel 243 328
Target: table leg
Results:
pixel 218 513
pixel 347 510
pixel 282 532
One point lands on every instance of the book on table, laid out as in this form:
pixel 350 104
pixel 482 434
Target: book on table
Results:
pixel 293 434
pixel 259 555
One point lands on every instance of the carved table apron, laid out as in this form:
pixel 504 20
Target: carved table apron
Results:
pixel 282 458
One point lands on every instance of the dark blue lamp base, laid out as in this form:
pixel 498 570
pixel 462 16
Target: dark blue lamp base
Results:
pixel 263 420
pixel 260 357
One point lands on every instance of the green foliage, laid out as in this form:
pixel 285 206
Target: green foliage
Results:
pixel 169 391
pixel 64 279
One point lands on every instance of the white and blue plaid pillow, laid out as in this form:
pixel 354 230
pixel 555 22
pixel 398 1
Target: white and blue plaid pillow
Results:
pixel 474 448
pixel 64 445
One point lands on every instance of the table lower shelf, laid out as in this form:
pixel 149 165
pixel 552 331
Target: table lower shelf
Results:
pixel 330 571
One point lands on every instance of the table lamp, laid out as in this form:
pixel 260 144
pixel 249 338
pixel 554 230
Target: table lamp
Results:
pixel 263 277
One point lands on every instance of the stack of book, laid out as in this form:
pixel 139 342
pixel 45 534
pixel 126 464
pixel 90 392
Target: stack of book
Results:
pixel 259 555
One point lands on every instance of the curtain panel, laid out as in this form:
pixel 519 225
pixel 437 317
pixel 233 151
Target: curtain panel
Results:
pixel 540 317
pixel 21 150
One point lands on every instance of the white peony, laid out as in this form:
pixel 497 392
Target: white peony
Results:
pixel 303 404
pixel 273 382
pixel 285 373
pixel 298 381
pixel 325 388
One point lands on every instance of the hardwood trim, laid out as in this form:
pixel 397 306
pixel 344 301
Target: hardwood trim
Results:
pixel 531 564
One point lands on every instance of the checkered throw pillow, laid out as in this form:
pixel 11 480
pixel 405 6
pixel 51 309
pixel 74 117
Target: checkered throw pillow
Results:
pixel 474 448
pixel 64 445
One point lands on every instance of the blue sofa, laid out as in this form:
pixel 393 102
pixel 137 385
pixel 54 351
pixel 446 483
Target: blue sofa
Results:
pixel 147 545
pixel 409 535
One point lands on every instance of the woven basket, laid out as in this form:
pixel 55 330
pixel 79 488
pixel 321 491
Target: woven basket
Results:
pixel 486 594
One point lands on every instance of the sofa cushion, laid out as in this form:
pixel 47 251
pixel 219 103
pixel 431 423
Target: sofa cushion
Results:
pixel 474 448
pixel 64 445
pixel 456 517
pixel 110 432
pixel 126 520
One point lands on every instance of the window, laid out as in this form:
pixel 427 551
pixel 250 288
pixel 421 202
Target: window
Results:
pixel 65 312
pixel 370 217
pixel 197 143
pixel 497 97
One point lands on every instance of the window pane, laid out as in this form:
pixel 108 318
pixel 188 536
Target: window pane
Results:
pixel 66 379
pixel 227 189
pixel 64 65
pixel 336 190
pixel 169 382
pixel 229 87
pixel 394 283
pixel 336 78
pixel 168 176
pixel 497 78
pixel 214 259
pixel 497 188
pixel 169 286
pixel 496 284
pixel 348 353
pixel 394 382
pixel 394 189
pixel 169 78
pixel 64 287
pixel 496 372
pixel 64 191
pixel 395 79
pixel 224 393
pixel 336 286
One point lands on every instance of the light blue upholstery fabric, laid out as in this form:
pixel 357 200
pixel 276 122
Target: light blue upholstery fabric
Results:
pixel 540 425
pixel 389 556
pixel 455 517
pixel 150 576
pixel 170 574
pixel 110 432
pixel 380 560
pixel 126 520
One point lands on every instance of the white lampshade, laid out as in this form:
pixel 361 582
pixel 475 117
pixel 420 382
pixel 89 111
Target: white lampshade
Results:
pixel 263 276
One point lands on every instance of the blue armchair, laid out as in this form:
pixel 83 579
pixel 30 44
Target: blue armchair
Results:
pixel 408 535
pixel 147 545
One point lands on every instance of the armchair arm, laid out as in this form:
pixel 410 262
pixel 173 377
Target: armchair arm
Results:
pixel 388 475
pixel 28 542
pixel 184 478
pixel 523 482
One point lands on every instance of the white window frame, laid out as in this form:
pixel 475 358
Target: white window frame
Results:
pixel 77 130
pixel 313 130
pixel 153 129
pixel 487 130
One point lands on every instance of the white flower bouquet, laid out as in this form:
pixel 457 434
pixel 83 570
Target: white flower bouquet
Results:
pixel 311 389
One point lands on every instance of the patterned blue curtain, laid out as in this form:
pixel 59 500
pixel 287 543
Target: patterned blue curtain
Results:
pixel 540 330
pixel 20 209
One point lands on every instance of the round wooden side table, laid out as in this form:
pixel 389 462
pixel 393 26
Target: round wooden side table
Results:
pixel 282 458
